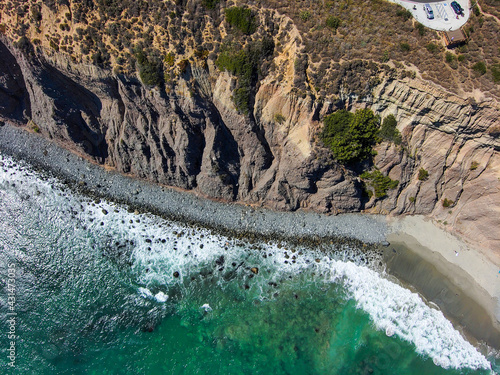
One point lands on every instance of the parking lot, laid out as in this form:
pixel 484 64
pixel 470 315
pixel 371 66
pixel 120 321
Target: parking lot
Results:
pixel 445 18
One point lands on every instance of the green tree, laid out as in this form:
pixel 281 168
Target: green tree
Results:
pixel 379 182
pixel 349 136
pixel 244 64
pixel 150 70
pixel 447 203
pixel 423 174
pixel 241 18
pixel 388 131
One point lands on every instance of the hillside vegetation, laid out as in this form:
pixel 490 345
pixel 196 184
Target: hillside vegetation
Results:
pixel 343 45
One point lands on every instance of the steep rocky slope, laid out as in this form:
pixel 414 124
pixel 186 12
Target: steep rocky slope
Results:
pixel 457 143
pixel 193 137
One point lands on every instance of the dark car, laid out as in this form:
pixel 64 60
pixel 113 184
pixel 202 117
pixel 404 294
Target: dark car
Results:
pixel 456 7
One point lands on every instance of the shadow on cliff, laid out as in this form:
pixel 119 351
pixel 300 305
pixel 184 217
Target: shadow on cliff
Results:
pixel 76 108
pixel 68 107
pixel 14 98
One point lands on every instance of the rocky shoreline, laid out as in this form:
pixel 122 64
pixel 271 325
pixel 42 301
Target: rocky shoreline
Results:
pixel 255 222
pixel 94 180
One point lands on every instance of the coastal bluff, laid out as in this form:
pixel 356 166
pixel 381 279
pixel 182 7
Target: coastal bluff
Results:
pixel 194 137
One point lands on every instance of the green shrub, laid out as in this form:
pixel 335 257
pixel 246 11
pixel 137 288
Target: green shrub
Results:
pixel 350 136
pixel 405 47
pixel 447 203
pixel 385 57
pixel 420 28
pixel 210 4
pixel 388 131
pixel 333 22
pixel 474 165
pixel 432 48
pixel 183 65
pixel 36 13
pixel 404 13
pixel 241 99
pixel 451 59
pixel 54 45
pixel 479 67
pixel 305 15
pixel 241 18
pixel 169 59
pixel 150 70
pixel 237 63
pixel 412 199
pixel 150 75
pixel 244 64
pixel 24 45
pixel 379 182
pixel 423 174
pixel 495 72
pixel 279 118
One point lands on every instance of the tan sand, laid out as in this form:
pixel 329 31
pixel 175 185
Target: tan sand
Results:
pixel 461 279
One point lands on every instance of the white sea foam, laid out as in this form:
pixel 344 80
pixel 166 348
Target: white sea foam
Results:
pixel 393 309
pixel 145 292
pixel 161 248
pixel 161 297
pixel 206 307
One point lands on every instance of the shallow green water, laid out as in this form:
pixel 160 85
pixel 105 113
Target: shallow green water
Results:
pixel 92 285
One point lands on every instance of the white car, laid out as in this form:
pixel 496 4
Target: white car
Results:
pixel 428 11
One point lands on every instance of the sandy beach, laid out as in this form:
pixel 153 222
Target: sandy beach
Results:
pixel 461 280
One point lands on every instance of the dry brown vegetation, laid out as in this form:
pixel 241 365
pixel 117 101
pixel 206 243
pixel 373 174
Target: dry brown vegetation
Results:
pixel 346 44
pixel 381 31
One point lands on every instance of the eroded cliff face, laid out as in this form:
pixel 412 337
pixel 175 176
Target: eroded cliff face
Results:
pixel 197 140
pixel 457 142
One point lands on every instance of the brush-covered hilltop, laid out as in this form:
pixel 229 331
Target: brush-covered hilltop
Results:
pixel 332 106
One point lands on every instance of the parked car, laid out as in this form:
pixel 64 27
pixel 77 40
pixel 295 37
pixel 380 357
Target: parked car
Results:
pixel 428 11
pixel 456 7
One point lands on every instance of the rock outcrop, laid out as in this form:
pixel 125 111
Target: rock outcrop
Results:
pixel 456 142
pixel 198 141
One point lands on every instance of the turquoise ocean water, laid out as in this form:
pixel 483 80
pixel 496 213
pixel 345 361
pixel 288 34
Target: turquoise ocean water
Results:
pixel 101 290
